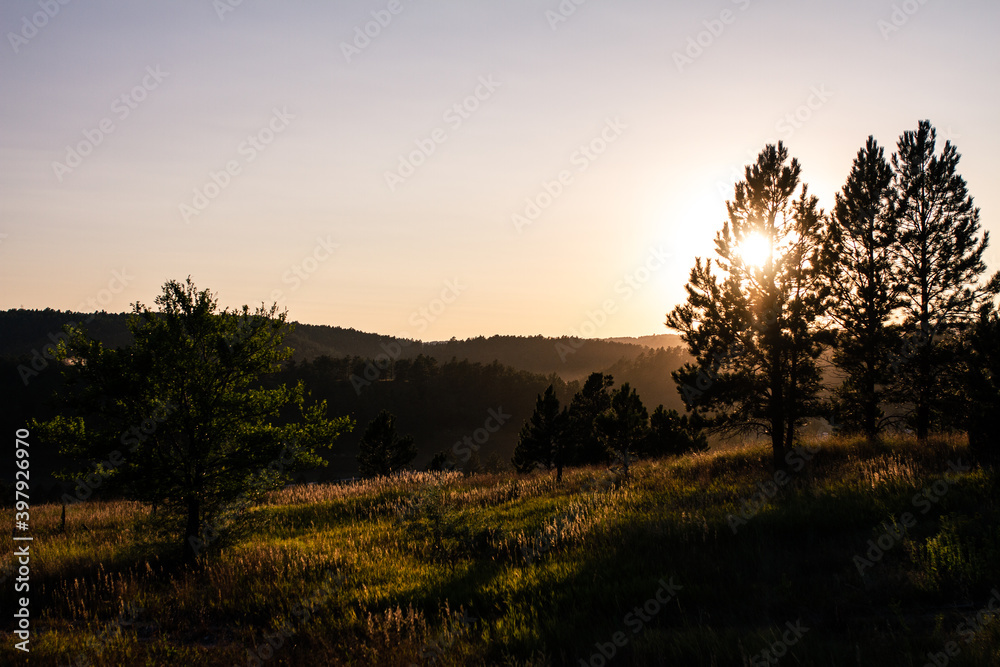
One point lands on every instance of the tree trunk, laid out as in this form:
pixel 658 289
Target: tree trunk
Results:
pixel 776 407
pixel 923 391
pixel 192 537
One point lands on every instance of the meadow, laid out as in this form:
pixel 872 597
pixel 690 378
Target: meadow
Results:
pixel 863 554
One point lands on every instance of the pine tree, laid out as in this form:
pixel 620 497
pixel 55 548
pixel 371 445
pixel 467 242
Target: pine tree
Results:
pixel 382 451
pixel 941 255
pixel 625 425
pixel 673 434
pixel 982 384
pixel 865 285
pixel 755 330
pixel 586 445
pixel 541 442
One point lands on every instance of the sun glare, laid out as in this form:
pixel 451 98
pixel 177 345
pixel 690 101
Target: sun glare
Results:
pixel 754 249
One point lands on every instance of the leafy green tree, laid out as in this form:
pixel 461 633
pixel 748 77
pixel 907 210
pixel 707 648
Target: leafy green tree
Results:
pixel 593 398
pixel 755 329
pixel 383 452
pixel 541 441
pixel 186 401
pixel 865 286
pixel 673 434
pixel 624 426
pixel 941 254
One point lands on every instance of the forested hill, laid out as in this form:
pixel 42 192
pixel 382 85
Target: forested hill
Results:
pixel 24 331
pixel 440 392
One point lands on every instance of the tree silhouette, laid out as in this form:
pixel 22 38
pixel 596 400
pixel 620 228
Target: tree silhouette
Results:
pixel 541 442
pixel 754 330
pixel 673 434
pixel 624 426
pixel 941 256
pixel 382 451
pixel 186 399
pixel 865 285
pixel 593 399
pixel 982 382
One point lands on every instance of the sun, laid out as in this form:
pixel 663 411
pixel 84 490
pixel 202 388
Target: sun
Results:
pixel 754 249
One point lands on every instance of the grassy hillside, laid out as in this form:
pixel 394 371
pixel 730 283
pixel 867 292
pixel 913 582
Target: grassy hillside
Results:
pixel 513 570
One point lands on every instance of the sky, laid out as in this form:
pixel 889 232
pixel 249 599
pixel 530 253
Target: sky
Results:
pixel 434 169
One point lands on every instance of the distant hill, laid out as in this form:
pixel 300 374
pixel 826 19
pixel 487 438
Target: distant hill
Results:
pixel 440 392
pixel 569 358
pixel 24 331
pixel 654 341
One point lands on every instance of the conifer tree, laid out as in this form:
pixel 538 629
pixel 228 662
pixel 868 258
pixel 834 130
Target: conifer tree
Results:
pixel 541 442
pixel 625 425
pixel 585 443
pixel 673 434
pixel 754 328
pixel 982 384
pixel 383 451
pixel 941 256
pixel 865 286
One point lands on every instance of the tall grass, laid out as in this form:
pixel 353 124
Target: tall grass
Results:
pixel 503 569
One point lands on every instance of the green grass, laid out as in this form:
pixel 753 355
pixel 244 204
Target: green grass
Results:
pixel 398 569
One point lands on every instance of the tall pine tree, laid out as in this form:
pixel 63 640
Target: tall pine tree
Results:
pixel 541 442
pixel 941 254
pixel 754 328
pixel 865 286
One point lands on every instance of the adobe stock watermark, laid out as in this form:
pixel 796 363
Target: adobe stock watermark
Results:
pixel 786 125
pixel 751 506
pixel 900 16
pixel 40 360
pixel 626 288
pixel 305 268
pixel 790 122
pixel 364 34
pixel 495 419
pixel 581 158
pixel 302 612
pixel 121 107
pixel 562 12
pixel 433 651
pixel 248 150
pixel 30 26
pixel 551 533
pixel 109 634
pixel 636 621
pixel 212 527
pixel 699 43
pixel 454 116
pixel 421 318
pixel 132 438
pixel 424 316
pixel 223 7
pixel 968 629
pixel 892 534
pixel 778 649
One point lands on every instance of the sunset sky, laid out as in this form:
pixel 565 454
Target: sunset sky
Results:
pixel 274 151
